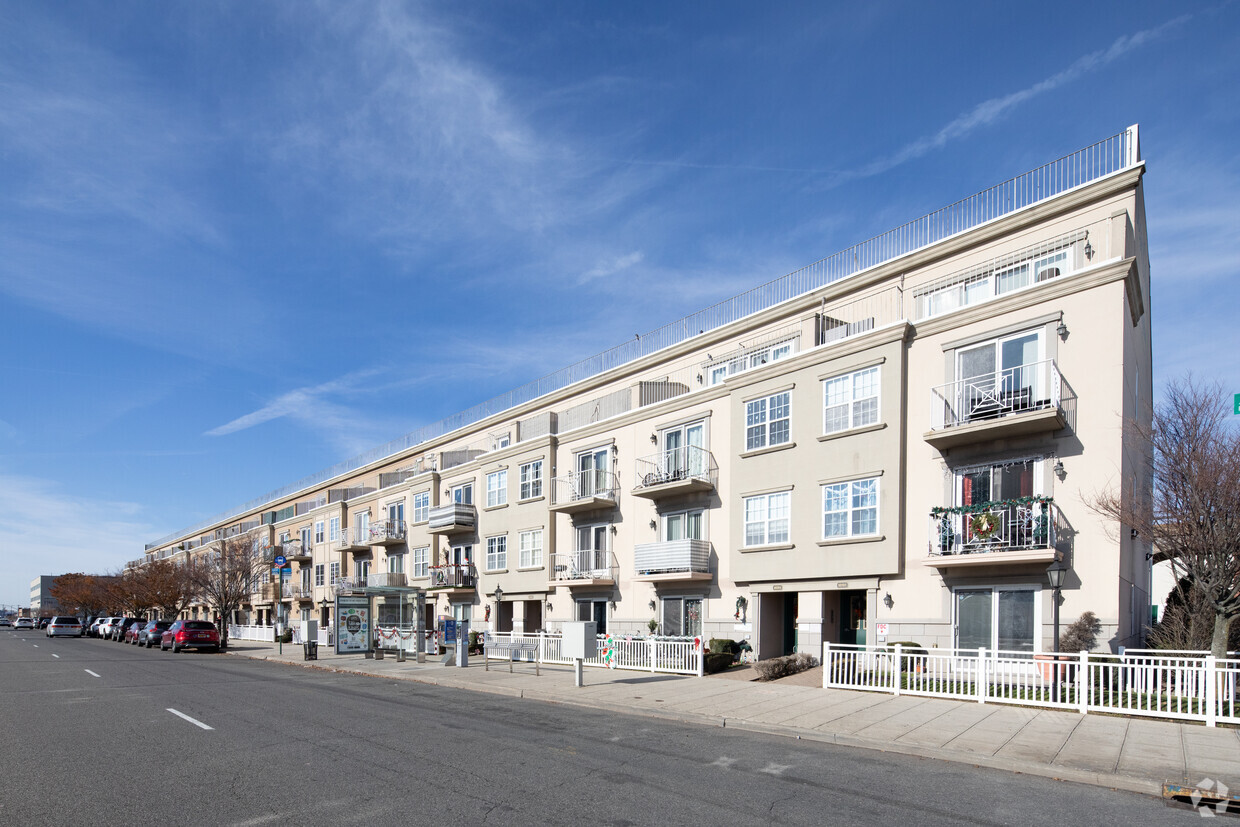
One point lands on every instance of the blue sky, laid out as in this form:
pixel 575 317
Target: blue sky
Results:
pixel 242 242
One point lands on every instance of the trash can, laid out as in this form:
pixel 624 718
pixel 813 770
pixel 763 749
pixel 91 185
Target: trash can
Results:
pixel 311 650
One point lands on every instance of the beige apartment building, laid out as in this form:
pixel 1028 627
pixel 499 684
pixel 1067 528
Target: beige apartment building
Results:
pixel 892 444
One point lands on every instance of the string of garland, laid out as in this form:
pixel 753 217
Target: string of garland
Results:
pixel 977 508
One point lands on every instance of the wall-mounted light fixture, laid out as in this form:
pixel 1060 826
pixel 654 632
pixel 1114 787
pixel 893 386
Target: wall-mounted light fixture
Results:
pixel 1089 249
pixel 613 528
pixel 652 605
pixel 1058 469
pixel 888 601
pixel 654 438
pixel 1062 330
pixel 654 524
pixel 699 377
pixel 547 606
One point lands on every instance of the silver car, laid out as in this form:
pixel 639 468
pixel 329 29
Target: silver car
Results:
pixel 64 626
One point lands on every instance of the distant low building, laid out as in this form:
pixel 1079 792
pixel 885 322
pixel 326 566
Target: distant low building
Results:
pixel 41 601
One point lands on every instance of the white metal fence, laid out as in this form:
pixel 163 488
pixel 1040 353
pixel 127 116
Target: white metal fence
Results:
pixel 1185 686
pixel 680 656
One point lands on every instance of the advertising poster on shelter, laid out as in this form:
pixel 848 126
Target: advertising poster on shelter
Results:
pixel 353 624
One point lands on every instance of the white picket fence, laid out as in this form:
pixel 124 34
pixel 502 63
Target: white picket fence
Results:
pixel 680 656
pixel 267 634
pixel 1186 686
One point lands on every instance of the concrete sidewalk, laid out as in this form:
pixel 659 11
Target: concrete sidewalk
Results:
pixel 1135 754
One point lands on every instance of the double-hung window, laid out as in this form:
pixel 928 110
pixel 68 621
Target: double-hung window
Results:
pixel 497 488
pixel 333 527
pixel 333 569
pixel 850 509
pixel 768 421
pixel 319 536
pixel 530 544
pixel 396 563
pixel 318 574
pixel 766 518
pixel 850 401
pixel 497 552
pixel 306 545
pixel 422 507
pixel 531 479
pixel 421 561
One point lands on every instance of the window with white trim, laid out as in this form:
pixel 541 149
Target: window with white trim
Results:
pixel 850 401
pixel 396 563
pixel 497 488
pixel 396 512
pixel 463 493
pixel 334 571
pixel 363 570
pixel 422 507
pixel 333 527
pixel 531 479
pixel 850 509
pixel 422 561
pixel 743 360
pixel 767 518
pixel 530 547
pixel 768 421
pixel 306 545
pixel 318 532
pixel 318 574
pixel 497 552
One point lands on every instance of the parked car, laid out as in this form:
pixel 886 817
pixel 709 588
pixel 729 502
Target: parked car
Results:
pixel 43 621
pixel 23 623
pixel 4 621
pixel 64 626
pixel 130 635
pixel 152 632
pixel 119 628
pixel 196 634
pixel 104 629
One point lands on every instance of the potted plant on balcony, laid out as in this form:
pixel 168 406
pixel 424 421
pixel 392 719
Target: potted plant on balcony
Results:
pixel 653 625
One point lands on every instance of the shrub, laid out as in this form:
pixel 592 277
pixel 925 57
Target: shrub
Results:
pixel 724 646
pixel 908 648
pixel 1082 634
pixel 717 662
pixel 774 668
pixel 286 636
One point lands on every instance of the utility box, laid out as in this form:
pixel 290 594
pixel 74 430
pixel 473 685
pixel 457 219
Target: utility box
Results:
pixel 309 631
pixel 580 639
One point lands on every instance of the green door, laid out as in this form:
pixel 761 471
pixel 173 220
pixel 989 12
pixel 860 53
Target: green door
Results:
pixel 852 618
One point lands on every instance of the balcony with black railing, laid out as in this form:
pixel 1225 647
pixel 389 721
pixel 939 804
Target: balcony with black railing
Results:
pixel 1022 530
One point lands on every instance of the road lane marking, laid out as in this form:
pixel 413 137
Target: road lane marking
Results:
pixel 96 674
pixel 55 656
pixel 191 720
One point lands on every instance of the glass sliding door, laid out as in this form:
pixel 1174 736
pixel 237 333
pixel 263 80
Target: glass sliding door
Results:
pixel 997 618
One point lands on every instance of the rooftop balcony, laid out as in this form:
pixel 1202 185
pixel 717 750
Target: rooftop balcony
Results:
pixel 583 491
pixel 584 567
pixel 994 533
pixel 453 518
pixel 1029 399
pixel 678 471
pixel 673 560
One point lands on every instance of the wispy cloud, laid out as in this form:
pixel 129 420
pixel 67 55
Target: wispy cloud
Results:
pixel 611 267
pixel 989 111
pixel 92 535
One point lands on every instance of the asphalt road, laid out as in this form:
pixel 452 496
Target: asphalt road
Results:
pixel 101 733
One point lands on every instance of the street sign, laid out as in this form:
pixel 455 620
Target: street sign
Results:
pixel 1236 403
pixel 281 561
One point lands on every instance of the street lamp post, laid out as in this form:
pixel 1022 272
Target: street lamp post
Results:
pixel 1055 575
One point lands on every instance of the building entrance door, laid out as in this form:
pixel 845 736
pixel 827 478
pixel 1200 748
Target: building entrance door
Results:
pixel 852 618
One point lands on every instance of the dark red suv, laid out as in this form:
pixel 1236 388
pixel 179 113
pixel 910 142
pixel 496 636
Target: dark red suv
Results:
pixel 191 634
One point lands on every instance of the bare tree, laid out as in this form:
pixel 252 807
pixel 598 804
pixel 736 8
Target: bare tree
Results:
pixel 223 576
pixel 128 592
pixel 1193 513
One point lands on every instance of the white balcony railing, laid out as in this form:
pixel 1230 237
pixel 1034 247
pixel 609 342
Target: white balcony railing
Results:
pixel 688 462
pixel 1031 387
pixel 1024 524
pixel 583 564
pixel 379 532
pixel 386 579
pixel 672 557
pixel 583 485
pixel 453 576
